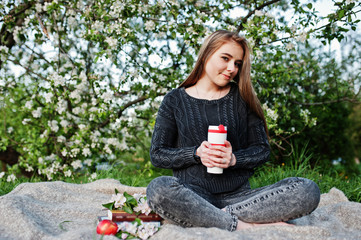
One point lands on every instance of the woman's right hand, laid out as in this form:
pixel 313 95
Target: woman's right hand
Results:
pixel 203 153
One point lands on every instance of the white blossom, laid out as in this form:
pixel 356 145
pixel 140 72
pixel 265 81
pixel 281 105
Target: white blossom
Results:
pixel 11 178
pixel 67 173
pixel 2 174
pixel 75 94
pixel 86 152
pixel 62 106
pixel 142 207
pixel 107 96
pixel 4 49
pixel 118 200
pixel 293 28
pixel 111 41
pixel 302 37
pixel 107 149
pixel 131 227
pixel 281 91
pixel 76 164
pixel 75 151
pixel 93 176
pixel 3 53
pixel 290 46
pixel 265 40
pixel 64 123
pixel 88 162
pixel 58 80
pixel 38 7
pixel 77 110
pixel 149 25
pixel 36 113
pixel 53 125
pixel 29 168
pixel 64 152
pixel 10 129
pixel 48 97
pixel 97 25
pixel 29 104
pixel 16 32
pixel 259 53
pixel 61 139
pixel 258 13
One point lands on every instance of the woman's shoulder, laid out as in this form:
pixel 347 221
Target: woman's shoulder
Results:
pixel 173 93
pixel 172 98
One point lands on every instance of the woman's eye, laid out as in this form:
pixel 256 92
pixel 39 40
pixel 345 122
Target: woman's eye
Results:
pixel 238 64
pixel 225 58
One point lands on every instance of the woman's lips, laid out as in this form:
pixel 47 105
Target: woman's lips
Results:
pixel 226 76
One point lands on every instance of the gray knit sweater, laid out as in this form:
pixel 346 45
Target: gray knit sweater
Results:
pixel 182 125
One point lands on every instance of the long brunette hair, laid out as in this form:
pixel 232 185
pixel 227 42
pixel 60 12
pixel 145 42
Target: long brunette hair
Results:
pixel 243 78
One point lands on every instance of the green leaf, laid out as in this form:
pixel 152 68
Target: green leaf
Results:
pixel 137 220
pixel 341 13
pixel 309 5
pixel 127 209
pixel 130 199
pixel 109 206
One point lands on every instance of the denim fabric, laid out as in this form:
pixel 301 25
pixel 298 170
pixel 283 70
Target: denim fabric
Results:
pixel 192 206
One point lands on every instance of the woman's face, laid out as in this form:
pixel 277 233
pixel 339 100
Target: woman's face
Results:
pixel 224 64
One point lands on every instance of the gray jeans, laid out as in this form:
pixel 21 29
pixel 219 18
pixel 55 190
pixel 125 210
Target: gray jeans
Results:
pixel 192 206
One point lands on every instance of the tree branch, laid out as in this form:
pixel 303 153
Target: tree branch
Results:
pixel 125 106
pixel 245 19
pixel 344 99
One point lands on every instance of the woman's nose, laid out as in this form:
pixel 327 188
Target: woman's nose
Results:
pixel 231 67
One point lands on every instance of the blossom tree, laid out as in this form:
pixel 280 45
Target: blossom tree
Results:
pixel 81 81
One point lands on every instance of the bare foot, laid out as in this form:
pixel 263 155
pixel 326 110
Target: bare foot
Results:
pixel 243 225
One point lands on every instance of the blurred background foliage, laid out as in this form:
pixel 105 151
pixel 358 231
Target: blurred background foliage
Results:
pixel 81 81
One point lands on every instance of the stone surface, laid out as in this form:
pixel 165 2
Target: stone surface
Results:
pixel 58 210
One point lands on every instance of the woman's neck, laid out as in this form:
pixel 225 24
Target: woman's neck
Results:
pixel 202 90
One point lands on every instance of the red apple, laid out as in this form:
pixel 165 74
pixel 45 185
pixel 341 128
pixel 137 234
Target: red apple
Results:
pixel 107 227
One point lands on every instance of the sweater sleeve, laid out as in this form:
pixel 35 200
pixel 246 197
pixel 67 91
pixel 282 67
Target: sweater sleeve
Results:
pixel 164 150
pixel 258 150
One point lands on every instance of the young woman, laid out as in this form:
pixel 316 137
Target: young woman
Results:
pixel 219 91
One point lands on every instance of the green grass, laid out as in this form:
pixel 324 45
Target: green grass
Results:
pixel 298 166
pixel 141 173
pixel 132 174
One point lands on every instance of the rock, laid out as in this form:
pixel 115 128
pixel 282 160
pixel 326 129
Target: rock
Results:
pixel 58 210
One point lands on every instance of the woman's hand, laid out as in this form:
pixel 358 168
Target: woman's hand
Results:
pixel 216 156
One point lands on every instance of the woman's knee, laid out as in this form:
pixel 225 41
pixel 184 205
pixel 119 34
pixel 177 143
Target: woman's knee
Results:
pixel 308 191
pixel 313 193
pixel 158 187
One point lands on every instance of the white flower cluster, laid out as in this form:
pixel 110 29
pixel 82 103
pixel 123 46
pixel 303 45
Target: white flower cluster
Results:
pixel 58 80
pixel 137 228
pixel 116 8
pixel 111 41
pixel 53 169
pixel 3 53
pixel 305 114
pixel 270 112
pixel 10 178
pixel 142 231
pixel 149 25
pixel 142 206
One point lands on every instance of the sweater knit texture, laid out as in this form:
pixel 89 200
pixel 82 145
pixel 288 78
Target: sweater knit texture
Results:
pixel 182 125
